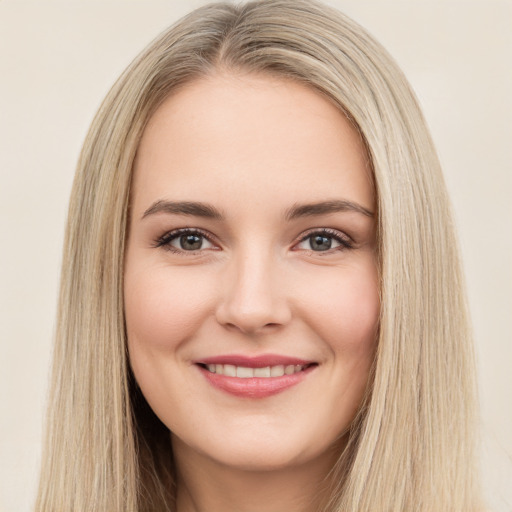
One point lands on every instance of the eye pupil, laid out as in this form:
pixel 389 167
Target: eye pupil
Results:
pixel 191 242
pixel 320 243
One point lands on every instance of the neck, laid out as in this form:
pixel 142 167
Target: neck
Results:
pixel 205 485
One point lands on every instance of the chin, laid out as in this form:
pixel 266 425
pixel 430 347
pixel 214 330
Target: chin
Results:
pixel 260 449
pixel 255 459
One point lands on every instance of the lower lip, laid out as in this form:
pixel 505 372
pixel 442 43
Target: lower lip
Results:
pixel 255 387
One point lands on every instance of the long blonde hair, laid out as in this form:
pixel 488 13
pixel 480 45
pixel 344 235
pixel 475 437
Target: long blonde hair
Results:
pixel 411 446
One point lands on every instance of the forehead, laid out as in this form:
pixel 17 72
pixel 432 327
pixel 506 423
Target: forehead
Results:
pixel 235 133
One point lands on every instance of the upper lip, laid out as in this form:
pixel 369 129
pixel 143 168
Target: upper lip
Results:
pixel 260 361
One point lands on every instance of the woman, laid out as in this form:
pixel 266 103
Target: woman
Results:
pixel 259 195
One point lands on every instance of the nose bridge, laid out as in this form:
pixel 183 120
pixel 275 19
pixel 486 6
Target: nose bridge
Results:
pixel 253 298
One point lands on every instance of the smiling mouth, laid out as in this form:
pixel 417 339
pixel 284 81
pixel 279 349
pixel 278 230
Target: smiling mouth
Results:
pixel 244 372
pixel 258 377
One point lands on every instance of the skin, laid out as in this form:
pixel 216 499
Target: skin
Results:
pixel 252 146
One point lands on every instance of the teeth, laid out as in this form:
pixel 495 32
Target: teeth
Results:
pixel 277 371
pixel 229 370
pixel 262 372
pixel 288 370
pixel 243 372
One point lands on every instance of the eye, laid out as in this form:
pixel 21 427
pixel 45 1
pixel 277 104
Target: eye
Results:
pixel 324 240
pixel 185 240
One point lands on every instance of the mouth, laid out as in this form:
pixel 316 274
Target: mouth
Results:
pixel 246 372
pixel 254 377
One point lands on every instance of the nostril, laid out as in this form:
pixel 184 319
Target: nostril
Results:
pixel 256 328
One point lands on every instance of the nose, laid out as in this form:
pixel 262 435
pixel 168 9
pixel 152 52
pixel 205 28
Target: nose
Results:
pixel 253 296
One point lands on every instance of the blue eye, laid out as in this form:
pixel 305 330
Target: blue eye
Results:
pixel 325 240
pixel 184 240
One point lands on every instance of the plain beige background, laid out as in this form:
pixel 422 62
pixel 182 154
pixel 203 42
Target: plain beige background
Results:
pixel 57 61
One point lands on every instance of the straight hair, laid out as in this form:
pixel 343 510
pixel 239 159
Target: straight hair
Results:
pixel 411 446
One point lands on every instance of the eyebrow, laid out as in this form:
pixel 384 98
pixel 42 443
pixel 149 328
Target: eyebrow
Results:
pixel 196 209
pixel 326 207
pixel 184 208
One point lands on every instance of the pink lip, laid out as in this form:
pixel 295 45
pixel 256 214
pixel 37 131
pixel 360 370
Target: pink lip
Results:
pixel 254 387
pixel 253 362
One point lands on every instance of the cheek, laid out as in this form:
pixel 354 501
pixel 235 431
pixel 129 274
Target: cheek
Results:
pixel 350 315
pixel 163 307
pixel 345 319
pixel 346 312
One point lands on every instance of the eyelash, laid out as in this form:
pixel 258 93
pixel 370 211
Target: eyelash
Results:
pixel 165 240
pixel 344 241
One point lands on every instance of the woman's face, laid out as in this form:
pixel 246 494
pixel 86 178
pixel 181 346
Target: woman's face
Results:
pixel 251 287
